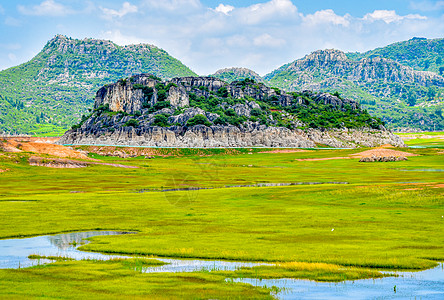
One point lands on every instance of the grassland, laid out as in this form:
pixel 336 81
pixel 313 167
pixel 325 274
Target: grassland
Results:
pixel 389 215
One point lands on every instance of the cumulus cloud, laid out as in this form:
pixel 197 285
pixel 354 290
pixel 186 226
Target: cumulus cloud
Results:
pixel 127 8
pixel 46 8
pixel 225 9
pixel 327 16
pixel 181 6
pixel 389 16
pixel 266 40
pixel 121 39
pixel 274 10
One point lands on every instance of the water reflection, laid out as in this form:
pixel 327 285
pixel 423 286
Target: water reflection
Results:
pixel 14 252
pixel 428 284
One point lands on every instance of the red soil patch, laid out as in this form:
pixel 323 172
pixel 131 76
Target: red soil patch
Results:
pixel 41 146
pixel 381 152
pixel 3 171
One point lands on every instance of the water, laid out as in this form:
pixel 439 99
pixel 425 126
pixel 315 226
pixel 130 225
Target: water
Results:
pixel 265 184
pixel 422 170
pixel 428 284
pixel 14 252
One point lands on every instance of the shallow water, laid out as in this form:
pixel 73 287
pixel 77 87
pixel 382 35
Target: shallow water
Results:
pixel 428 284
pixel 259 185
pixel 422 170
pixel 14 252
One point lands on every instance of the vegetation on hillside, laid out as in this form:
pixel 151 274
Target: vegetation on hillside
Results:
pixel 51 92
pixel 419 53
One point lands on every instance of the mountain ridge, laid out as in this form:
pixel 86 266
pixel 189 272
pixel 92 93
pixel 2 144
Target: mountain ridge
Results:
pixel 61 79
pixel 50 92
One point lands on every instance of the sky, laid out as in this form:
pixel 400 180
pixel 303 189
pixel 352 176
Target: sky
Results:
pixel 214 34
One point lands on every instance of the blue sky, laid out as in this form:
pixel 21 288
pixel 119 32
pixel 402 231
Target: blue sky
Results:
pixel 209 35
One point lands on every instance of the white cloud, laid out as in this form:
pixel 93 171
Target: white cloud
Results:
pixel 427 5
pixel 274 9
pixel 389 16
pixel 127 8
pixel 46 8
pixel 327 16
pixel 121 39
pixel 266 40
pixel 225 9
pixel 2 10
pixel 10 21
pixel 172 5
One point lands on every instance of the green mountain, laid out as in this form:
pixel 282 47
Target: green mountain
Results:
pixel 419 53
pixel 236 74
pixel 401 96
pixel 54 89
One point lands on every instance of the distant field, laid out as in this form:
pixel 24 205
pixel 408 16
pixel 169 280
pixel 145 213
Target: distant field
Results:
pixel 425 139
pixel 382 215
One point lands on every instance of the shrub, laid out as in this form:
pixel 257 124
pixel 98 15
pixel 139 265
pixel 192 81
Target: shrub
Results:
pixel 198 120
pixel 222 92
pixel 161 104
pixel 132 123
pixel 161 120
pixel 256 112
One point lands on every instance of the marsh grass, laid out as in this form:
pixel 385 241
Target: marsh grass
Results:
pixel 384 218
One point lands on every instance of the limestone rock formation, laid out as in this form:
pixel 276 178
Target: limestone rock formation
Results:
pixel 207 112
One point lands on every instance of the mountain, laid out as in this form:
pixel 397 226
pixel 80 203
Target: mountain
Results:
pixel 208 112
pixel 51 91
pixel 419 53
pixel 401 96
pixel 235 74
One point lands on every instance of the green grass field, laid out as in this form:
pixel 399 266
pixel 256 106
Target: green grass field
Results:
pixel 388 215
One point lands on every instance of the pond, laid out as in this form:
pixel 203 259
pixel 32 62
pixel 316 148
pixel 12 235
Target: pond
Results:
pixel 427 284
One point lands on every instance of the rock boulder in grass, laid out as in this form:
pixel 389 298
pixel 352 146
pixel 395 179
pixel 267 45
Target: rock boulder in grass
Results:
pixel 144 111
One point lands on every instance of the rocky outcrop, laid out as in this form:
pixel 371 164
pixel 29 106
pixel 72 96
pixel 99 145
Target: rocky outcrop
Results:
pixel 230 136
pixel 383 158
pixel 143 111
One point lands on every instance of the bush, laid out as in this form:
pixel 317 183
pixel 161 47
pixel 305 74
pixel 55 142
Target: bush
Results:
pixel 198 120
pixel 132 123
pixel 256 112
pixel 161 120
pixel 161 104
pixel 222 92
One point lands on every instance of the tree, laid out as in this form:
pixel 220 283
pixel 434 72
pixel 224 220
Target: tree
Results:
pixel 198 120
pixel 132 123
pixel 411 100
pixel 161 120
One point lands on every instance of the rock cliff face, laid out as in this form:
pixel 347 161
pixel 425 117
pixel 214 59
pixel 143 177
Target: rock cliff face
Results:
pixel 335 62
pixel 208 112
pixel 231 136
